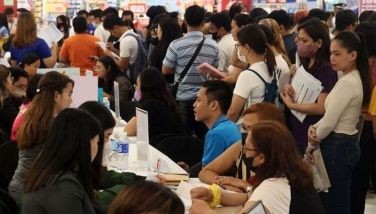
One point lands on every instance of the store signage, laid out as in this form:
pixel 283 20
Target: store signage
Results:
pixel 137 8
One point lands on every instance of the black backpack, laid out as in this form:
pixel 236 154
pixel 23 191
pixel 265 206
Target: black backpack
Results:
pixel 271 89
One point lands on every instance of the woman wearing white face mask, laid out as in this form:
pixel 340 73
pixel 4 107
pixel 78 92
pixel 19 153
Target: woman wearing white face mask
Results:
pixel 313 48
pixel 250 89
pixel 239 63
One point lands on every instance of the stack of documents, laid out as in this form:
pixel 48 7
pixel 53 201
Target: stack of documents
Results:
pixel 307 89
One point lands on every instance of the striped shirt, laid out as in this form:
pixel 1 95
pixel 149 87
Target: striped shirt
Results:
pixel 178 55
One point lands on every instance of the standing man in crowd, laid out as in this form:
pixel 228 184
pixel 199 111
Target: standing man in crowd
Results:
pixel 177 58
pixel 81 49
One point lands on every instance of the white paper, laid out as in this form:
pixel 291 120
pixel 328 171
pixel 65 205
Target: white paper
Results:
pixel 320 176
pixel 85 89
pixel 50 34
pixel 142 125
pixel 166 164
pixel 66 71
pixel 116 98
pixel 307 89
pixel 184 193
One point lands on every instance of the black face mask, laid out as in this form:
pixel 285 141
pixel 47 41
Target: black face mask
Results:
pixel 215 36
pixel 59 25
pixel 248 162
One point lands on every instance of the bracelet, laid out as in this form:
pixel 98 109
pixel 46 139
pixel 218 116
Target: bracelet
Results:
pixel 217 195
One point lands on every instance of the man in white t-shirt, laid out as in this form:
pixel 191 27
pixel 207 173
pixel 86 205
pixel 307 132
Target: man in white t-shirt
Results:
pixel 95 19
pixel 220 29
pixel 128 42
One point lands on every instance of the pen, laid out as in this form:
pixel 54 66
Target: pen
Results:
pixel 158 166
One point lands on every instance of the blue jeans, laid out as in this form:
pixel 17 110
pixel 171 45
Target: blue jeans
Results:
pixel 340 153
pixel 189 123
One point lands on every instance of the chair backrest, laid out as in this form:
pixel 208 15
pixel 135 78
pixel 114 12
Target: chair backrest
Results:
pixel 305 201
pixel 8 162
pixel 182 148
pixel 7 203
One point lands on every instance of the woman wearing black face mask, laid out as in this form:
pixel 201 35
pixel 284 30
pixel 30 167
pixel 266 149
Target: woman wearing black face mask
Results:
pixel 232 170
pixel 63 24
pixel 283 182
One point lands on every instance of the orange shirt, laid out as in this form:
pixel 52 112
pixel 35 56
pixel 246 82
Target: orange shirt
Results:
pixel 78 49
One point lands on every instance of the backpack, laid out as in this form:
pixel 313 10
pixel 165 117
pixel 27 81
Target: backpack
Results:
pixel 271 89
pixel 141 59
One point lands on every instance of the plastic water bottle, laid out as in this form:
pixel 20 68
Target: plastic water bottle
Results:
pixel 112 158
pixel 123 153
pixel 106 102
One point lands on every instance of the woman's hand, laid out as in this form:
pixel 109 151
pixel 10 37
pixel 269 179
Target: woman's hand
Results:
pixel 200 207
pixel 232 184
pixel 202 193
pixel 312 137
pixel 289 90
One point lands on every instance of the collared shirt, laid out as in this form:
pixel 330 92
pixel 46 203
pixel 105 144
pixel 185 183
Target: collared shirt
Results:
pixel 219 137
pixel 178 55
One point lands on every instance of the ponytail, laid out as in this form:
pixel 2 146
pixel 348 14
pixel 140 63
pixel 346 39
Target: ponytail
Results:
pixel 357 42
pixel 270 60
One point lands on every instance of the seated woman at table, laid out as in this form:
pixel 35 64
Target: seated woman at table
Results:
pixel 108 178
pixel 108 71
pixel 61 180
pixel 159 199
pixel 283 181
pixel 153 97
pixel 53 95
pixel 234 157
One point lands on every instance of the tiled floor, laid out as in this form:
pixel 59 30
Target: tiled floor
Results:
pixel 370 203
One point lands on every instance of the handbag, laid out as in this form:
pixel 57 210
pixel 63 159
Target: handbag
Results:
pixel 174 88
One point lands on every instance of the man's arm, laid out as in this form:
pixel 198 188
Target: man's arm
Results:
pixel 167 70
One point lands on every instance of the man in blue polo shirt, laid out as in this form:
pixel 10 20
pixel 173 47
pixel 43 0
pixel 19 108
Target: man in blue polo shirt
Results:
pixel 213 101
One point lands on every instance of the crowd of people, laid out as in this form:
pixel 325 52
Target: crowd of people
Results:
pixel 244 126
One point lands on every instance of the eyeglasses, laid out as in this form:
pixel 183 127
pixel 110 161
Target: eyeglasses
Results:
pixel 244 149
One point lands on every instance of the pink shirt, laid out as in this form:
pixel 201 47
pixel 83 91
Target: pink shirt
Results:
pixel 18 121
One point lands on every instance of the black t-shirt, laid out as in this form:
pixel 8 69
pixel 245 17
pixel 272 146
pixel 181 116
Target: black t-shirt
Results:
pixel 8 113
pixel 161 119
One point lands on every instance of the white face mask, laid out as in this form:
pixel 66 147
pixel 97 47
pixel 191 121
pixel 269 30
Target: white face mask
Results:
pixel 240 57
